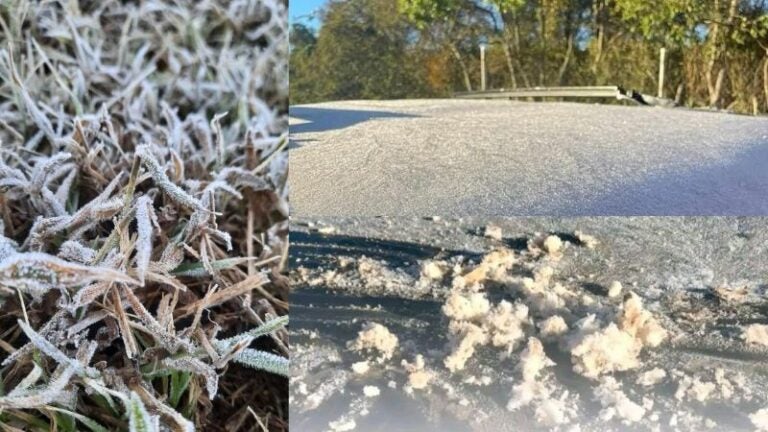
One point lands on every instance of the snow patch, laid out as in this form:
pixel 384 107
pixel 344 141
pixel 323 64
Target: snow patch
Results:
pixel 553 326
pixel 418 377
pixel 493 232
pixel 760 420
pixel 375 337
pixel 614 290
pixel 361 367
pixel 466 307
pixel 616 347
pixel 756 334
pixel 587 240
pixel 533 360
pixel 651 377
pixel 616 404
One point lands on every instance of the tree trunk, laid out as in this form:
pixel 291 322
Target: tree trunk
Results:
pixel 714 96
pixel 715 85
pixel 463 65
pixel 523 75
pixel 765 79
pixel 514 54
pixel 510 64
pixel 679 93
pixel 564 65
pixel 599 28
pixel 713 54
pixel 542 63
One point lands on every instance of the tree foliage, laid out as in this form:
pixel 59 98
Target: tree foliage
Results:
pixel 717 51
pixel 363 51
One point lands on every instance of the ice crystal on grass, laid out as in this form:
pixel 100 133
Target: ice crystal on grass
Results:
pixel 264 361
pixel 139 418
pixel 40 397
pixel 37 273
pixel 264 329
pixel 72 250
pixel 234 348
pixel 163 182
pixel 197 367
pixel 142 231
pixel 145 216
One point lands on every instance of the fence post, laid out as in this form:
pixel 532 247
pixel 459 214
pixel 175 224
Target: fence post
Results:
pixel 662 55
pixel 482 66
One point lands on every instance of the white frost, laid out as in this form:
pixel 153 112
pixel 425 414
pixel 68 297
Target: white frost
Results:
pixel 760 420
pixel 371 391
pixel 756 334
pixel 466 307
pixel 651 377
pixel 376 337
pixel 616 404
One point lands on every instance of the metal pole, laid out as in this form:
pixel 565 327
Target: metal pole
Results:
pixel 662 55
pixel 482 67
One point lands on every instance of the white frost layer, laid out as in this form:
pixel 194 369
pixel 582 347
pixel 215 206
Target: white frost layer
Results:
pixel 525 393
pixel 536 391
pixel 616 404
pixel 553 244
pixel 550 245
pixel 361 367
pixel 432 270
pixel 506 323
pixel 543 297
pixel 375 336
pixel 371 391
pixel 493 232
pixel 419 380
pixel 533 360
pixel 552 412
pixel 756 334
pixel 640 323
pixel 694 388
pixel 616 347
pixel 474 323
pixel 651 377
pixel 598 351
pixel 760 420
pixel 553 326
pixel 614 290
pixel 418 377
pixel 548 410
pixel 466 307
pixel 493 266
pixel 587 240
pixel 342 425
pixel 731 294
pixel 465 337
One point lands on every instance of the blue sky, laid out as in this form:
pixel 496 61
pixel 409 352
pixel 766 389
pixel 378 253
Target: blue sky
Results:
pixel 298 9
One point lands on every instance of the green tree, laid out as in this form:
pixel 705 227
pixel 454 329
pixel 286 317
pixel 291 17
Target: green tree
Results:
pixel 364 51
pixel 301 72
pixel 447 23
pixel 717 50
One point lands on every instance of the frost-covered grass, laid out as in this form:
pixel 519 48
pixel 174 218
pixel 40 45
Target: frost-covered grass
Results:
pixel 143 215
